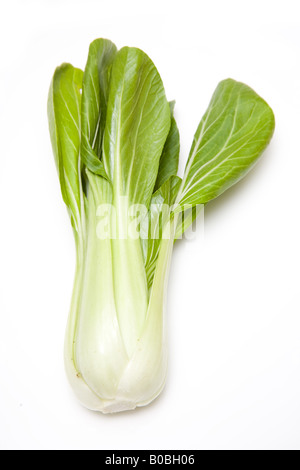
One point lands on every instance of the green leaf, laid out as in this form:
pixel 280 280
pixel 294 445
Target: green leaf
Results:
pixel 158 215
pixel 168 165
pixel 186 219
pixel 137 126
pixel 64 107
pixel 94 102
pixel 233 133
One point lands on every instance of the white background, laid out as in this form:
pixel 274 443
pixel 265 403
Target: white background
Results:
pixel 233 310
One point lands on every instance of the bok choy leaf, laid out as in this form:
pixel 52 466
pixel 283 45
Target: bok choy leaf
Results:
pixel 116 147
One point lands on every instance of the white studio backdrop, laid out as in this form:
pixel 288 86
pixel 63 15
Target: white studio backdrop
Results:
pixel 233 308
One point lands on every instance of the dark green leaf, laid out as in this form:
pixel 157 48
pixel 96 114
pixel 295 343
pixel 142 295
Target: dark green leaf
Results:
pixel 94 102
pixel 137 125
pixel 64 107
pixel 168 165
pixel 233 133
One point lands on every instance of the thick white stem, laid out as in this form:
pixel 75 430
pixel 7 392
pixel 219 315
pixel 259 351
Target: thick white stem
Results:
pixel 116 349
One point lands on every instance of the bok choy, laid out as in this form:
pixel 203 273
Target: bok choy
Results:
pixel 116 148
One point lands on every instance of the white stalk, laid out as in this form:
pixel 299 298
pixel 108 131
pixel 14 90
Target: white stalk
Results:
pixel 112 364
